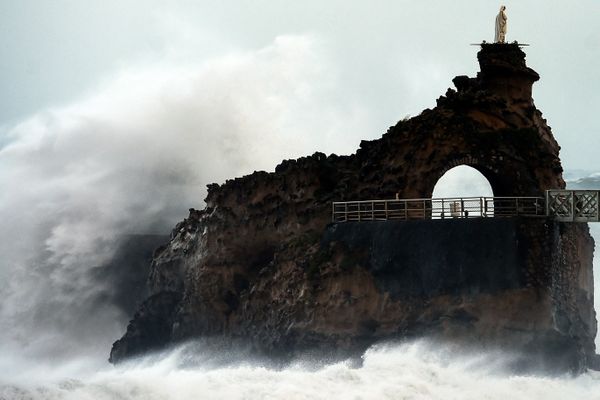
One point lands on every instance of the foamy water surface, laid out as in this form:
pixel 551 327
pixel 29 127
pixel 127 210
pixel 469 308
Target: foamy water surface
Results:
pixel 400 371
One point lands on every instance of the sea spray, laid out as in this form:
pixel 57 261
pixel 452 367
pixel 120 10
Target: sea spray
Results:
pixel 416 370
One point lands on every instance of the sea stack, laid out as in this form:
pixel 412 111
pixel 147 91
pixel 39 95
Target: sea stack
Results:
pixel 264 263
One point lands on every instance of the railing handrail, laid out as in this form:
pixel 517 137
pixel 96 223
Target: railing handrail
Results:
pixel 442 198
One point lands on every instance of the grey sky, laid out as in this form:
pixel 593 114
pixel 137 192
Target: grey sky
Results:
pixel 395 57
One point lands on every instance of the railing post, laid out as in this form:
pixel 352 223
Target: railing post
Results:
pixel 346 212
pixel 373 210
pixel 385 207
pixel 572 205
pixel 485 207
pixel 597 207
pixel 405 209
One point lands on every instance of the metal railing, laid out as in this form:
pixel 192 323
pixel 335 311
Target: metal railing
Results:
pixel 442 208
pixel 573 205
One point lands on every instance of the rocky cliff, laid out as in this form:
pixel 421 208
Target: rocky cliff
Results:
pixel 262 262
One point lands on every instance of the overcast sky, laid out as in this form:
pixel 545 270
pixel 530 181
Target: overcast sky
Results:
pixel 389 58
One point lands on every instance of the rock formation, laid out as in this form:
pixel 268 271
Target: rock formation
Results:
pixel 263 263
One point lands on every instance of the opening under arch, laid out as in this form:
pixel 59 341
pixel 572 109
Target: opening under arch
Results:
pixel 465 189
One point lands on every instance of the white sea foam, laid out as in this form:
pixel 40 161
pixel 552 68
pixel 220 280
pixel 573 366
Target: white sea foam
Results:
pixel 417 370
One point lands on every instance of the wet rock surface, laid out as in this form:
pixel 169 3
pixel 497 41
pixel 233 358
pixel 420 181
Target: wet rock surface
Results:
pixel 261 263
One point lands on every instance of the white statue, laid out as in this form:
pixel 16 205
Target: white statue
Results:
pixel 501 19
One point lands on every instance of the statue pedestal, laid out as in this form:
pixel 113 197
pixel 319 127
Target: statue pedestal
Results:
pixel 504 72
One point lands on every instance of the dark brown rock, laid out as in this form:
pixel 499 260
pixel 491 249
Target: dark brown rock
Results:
pixel 259 262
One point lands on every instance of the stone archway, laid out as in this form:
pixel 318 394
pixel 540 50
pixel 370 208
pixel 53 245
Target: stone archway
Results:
pixel 462 190
pixel 475 164
pixel 515 162
pixel 462 181
pixel 505 178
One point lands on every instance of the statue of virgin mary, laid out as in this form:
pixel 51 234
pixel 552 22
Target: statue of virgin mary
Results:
pixel 501 23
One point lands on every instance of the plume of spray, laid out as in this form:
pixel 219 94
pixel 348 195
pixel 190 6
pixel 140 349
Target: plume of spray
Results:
pixel 132 157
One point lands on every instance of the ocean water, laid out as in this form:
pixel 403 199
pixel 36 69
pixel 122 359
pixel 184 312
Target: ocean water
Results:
pixel 416 370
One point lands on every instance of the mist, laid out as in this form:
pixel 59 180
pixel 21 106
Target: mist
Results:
pixel 131 157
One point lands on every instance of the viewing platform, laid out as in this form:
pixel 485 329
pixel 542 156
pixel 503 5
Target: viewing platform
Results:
pixel 563 205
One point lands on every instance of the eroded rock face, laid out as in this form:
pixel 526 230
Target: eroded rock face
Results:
pixel 260 262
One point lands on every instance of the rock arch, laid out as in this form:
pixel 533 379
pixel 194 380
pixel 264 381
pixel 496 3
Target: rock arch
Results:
pixel 462 181
pixel 481 124
pixel 498 178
